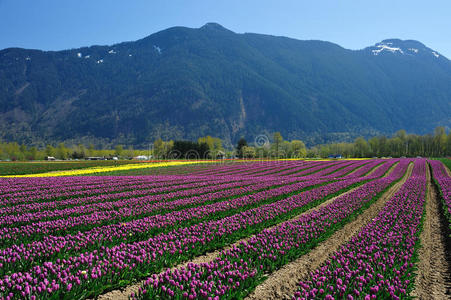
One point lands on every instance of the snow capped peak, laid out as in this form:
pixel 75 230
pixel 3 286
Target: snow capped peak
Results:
pixel 112 51
pixel 404 47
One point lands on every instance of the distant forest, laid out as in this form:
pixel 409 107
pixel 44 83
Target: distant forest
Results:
pixel 400 144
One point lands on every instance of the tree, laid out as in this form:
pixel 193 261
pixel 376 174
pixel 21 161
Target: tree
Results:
pixel 214 145
pixel 374 144
pixel 79 152
pixel 190 150
pixel 361 147
pixel 248 152
pixel 440 140
pixel 158 148
pixel 130 152
pixel 448 144
pixel 62 152
pixel 298 148
pixel 404 146
pixel 278 139
pixel 50 150
pixel 241 143
pixel 395 147
pixel 91 150
pixel 118 150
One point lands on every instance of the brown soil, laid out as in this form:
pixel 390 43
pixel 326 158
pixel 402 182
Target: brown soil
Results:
pixel 283 283
pixel 123 294
pixel 447 170
pixel 433 275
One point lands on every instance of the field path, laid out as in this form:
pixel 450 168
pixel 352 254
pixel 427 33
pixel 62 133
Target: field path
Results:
pixel 432 281
pixel 124 294
pixel 447 170
pixel 283 283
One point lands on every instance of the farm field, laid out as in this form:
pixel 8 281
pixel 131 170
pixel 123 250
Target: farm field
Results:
pixel 332 229
pixel 21 168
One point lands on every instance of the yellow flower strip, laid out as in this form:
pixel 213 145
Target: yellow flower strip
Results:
pixel 95 170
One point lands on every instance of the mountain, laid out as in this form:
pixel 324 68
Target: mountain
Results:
pixel 185 83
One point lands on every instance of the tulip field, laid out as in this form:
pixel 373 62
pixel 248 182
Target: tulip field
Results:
pixel 218 231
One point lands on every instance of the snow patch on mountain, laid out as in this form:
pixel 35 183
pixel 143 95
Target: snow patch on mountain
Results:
pixel 158 49
pixel 385 47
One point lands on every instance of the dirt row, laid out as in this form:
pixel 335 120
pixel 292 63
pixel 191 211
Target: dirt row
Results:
pixel 447 170
pixel 433 275
pixel 124 293
pixel 284 282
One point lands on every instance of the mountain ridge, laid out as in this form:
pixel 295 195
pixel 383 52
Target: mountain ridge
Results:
pixel 184 83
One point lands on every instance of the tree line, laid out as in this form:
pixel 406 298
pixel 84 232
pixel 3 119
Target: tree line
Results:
pixel 437 144
pixel 401 144
pixel 14 151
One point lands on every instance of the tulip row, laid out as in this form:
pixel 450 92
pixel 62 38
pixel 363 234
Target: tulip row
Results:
pixel 23 187
pixel 313 171
pixel 75 206
pixel 60 192
pixel 134 229
pixel 278 171
pixel 379 170
pixel 71 202
pixel 98 199
pixel 341 169
pixel 443 181
pixel 367 168
pixel 50 272
pixel 127 260
pixel 248 168
pixel 379 261
pixel 129 208
pixel 135 208
pixel 110 235
pixel 239 269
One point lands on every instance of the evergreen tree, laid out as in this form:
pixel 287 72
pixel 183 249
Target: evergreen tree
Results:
pixel 241 143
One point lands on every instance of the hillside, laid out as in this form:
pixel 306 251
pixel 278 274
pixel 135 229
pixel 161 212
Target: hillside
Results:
pixel 185 83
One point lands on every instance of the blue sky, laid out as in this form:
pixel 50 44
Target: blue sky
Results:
pixel 63 24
